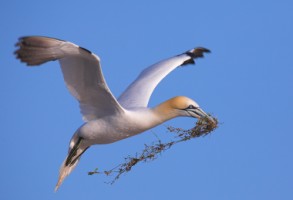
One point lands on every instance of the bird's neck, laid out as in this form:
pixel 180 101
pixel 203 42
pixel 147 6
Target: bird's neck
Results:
pixel 165 111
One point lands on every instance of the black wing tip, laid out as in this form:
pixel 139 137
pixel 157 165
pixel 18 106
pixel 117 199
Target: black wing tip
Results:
pixel 195 53
pixel 39 36
pixel 30 49
pixel 198 52
pixel 189 61
pixel 27 40
pixel 21 41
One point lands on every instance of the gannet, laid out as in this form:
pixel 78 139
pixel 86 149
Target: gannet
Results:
pixel 108 119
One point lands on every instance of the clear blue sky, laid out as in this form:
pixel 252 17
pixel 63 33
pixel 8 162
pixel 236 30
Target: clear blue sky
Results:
pixel 246 82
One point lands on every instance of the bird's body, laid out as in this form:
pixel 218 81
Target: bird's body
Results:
pixel 108 119
pixel 113 128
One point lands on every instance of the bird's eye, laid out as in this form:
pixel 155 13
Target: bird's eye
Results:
pixel 190 107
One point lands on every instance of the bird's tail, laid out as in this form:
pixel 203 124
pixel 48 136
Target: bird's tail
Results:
pixel 76 149
pixel 64 172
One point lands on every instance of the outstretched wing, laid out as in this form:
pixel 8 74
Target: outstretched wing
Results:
pixel 81 71
pixel 138 93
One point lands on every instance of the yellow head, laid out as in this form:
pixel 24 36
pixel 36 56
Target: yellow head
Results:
pixel 179 106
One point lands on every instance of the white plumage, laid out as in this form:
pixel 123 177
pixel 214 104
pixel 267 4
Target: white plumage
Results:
pixel 108 119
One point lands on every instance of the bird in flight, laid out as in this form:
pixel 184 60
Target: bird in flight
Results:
pixel 108 119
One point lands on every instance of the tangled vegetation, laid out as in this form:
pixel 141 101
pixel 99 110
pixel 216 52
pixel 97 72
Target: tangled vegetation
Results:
pixel 203 127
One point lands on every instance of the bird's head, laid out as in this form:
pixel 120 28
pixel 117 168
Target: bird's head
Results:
pixel 181 106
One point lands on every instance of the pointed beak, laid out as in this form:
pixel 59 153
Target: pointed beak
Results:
pixel 199 113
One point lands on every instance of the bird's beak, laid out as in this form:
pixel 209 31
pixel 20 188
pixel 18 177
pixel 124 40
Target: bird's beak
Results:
pixel 199 113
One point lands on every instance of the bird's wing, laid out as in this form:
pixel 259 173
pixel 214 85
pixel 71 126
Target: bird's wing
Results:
pixel 138 92
pixel 81 71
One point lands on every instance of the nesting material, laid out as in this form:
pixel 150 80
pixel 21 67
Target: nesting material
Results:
pixel 150 152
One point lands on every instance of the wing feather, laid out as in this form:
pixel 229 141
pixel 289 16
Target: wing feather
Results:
pixel 139 91
pixel 81 71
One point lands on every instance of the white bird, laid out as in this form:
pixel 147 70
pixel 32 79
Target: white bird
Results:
pixel 108 119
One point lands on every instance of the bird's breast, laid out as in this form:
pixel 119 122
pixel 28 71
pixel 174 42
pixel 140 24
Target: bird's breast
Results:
pixel 114 128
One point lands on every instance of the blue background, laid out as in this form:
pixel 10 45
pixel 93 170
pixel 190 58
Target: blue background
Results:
pixel 246 82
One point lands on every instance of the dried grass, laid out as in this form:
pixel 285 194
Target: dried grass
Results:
pixel 203 127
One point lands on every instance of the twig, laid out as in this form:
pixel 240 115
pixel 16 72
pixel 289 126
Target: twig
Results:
pixel 203 127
